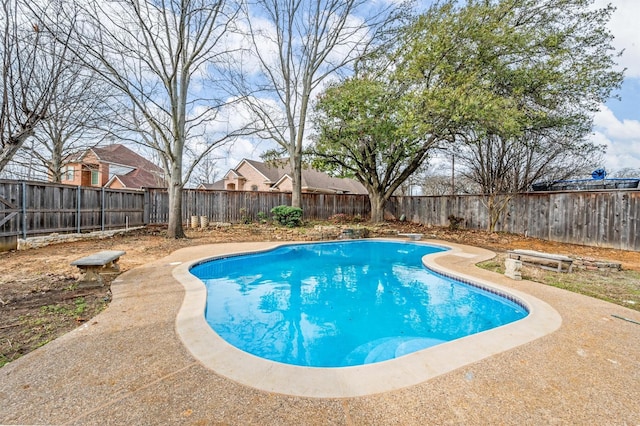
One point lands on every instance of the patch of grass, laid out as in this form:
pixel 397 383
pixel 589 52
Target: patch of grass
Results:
pixel 619 287
pixel 493 265
pixel 80 307
pixel 4 360
pixel 71 287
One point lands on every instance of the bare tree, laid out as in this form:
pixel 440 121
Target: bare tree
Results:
pixel 21 166
pixel 207 171
pixel 163 57
pixel 80 116
pixel 32 65
pixel 508 165
pixel 295 45
pixel 627 172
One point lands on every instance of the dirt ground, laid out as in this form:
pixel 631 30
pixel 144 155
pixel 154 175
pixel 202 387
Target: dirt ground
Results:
pixel 40 299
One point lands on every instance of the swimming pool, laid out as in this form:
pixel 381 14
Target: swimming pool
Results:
pixel 217 355
pixel 343 304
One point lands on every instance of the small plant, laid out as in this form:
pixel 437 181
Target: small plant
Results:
pixel 454 222
pixel 81 306
pixel 287 216
pixel 263 217
pixel 4 360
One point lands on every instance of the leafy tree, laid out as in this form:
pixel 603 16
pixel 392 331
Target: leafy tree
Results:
pixel 523 71
pixel 363 131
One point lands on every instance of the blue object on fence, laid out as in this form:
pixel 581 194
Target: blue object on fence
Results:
pixel 599 174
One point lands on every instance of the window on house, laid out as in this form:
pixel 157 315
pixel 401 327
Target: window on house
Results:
pixel 67 173
pixel 95 177
pixel 254 187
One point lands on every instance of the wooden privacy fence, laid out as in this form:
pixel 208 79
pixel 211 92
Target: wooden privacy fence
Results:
pixel 592 218
pixel 236 206
pixel 36 208
pixel 597 218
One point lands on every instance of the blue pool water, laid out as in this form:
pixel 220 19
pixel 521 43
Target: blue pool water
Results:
pixel 344 303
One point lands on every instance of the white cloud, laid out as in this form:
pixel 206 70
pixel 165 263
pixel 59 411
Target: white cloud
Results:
pixel 622 139
pixel 624 27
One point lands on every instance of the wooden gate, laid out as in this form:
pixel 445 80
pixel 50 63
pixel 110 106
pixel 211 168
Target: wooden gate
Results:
pixel 9 217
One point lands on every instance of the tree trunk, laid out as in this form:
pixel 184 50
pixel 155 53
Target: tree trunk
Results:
pixel 55 166
pixel 296 181
pixel 377 207
pixel 175 229
pixel 496 208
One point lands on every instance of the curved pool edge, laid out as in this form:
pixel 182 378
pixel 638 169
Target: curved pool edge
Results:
pixel 216 354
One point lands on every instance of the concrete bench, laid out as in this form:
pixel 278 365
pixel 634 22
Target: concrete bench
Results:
pixel 541 260
pixel 93 266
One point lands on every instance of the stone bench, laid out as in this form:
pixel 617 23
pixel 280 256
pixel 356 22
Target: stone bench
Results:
pixel 93 266
pixel 541 260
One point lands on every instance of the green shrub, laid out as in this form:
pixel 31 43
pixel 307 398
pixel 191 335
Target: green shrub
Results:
pixel 287 215
pixel 263 217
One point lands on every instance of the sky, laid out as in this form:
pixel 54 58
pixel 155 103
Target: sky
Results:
pixel 617 125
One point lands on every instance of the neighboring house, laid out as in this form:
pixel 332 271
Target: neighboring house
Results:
pixel 113 166
pixel 251 175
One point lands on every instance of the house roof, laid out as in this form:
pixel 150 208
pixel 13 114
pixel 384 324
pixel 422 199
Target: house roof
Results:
pixel 316 180
pixel 271 171
pixel 139 178
pixel 120 154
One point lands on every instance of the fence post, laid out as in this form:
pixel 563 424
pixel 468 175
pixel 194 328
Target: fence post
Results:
pixel 145 207
pixel 102 209
pixel 24 210
pixel 78 200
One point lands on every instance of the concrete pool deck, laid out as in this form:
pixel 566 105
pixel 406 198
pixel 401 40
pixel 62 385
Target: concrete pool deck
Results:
pixel 129 366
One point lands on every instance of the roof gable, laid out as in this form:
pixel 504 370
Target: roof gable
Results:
pixel 137 179
pixel 231 174
pixel 121 155
pixel 270 172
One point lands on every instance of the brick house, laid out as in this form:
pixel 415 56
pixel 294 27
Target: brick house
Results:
pixel 113 166
pixel 251 175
